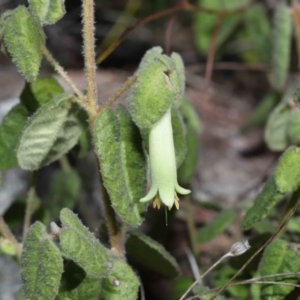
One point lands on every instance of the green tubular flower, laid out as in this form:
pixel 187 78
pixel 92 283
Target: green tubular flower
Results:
pixel 163 169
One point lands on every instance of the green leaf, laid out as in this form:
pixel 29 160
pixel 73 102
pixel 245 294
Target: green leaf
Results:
pixel 39 92
pixel 76 285
pixel 259 30
pixel 276 128
pixel 23 38
pixel 64 191
pixel 81 246
pixel 287 173
pixel 293 126
pixel 122 283
pixel 261 112
pixel 264 202
pixel 187 169
pixel 179 136
pixel 179 65
pixel 119 149
pixel 151 254
pixel 47 11
pixel 282 36
pixel 205 293
pixel 190 115
pixel 41 265
pixel 158 87
pixel 51 132
pixel 278 258
pixel 10 131
pixel 219 223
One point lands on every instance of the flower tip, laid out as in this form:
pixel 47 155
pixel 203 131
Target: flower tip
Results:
pixel 180 190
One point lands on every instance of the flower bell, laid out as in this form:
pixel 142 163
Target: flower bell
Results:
pixel 164 185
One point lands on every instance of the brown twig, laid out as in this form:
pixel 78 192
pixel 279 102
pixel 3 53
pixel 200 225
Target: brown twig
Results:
pixel 210 57
pixel 168 34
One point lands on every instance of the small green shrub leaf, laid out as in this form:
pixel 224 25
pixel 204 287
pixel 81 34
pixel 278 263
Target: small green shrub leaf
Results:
pixel 179 65
pixel 10 130
pixel 293 131
pixel 47 11
pixel 158 87
pixel 122 283
pixel 151 254
pixel 63 192
pixel 287 173
pixel 179 136
pixel 39 92
pixel 264 202
pixel 190 115
pixel 81 246
pixel 261 112
pixel 23 39
pixel 278 258
pixel 123 167
pixel 51 132
pixel 41 265
pixel 281 45
pixel 277 126
pixel 219 223
pixel 76 285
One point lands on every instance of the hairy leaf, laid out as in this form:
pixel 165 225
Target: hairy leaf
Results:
pixel 76 285
pixel 293 131
pixel 10 130
pixel 123 167
pixel 219 223
pixel 47 11
pixel 23 39
pixel 179 136
pixel 282 31
pixel 122 283
pixel 41 265
pixel 39 92
pixel 287 173
pixel 158 87
pixel 81 246
pixel 179 65
pixel 264 202
pixel 51 132
pixel 151 254
pixel 278 258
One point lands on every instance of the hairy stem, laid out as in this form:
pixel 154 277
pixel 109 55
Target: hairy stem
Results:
pixel 29 202
pixel 89 52
pixel 59 69
pixel 5 231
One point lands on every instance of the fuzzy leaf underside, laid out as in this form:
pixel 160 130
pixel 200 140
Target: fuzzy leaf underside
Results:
pixel 151 254
pixel 122 283
pixel 264 202
pixel 41 265
pixel 47 11
pixel 51 132
pixel 10 130
pixel 81 246
pixel 123 167
pixel 278 258
pixel 23 38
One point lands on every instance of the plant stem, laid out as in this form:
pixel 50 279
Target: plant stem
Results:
pixel 29 201
pixel 111 218
pixel 5 231
pixel 119 92
pixel 59 69
pixel 65 165
pixel 89 52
